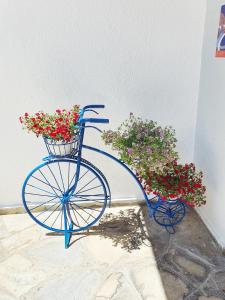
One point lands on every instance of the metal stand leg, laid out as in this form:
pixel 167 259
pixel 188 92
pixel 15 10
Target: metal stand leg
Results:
pixel 109 201
pixel 170 229
pixel 68 236
pixel 150 212
pixel 67 231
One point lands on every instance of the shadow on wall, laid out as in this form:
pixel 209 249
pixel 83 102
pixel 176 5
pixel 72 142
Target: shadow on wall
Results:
pixel 207 160
pixel 125 229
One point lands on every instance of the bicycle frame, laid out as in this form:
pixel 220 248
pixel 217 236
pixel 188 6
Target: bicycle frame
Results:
pixel 79 156
pixel 169 214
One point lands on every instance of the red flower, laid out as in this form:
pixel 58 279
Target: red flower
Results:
pixel 58 126
pixel 182 180
pixel 188 203
pixel 197 186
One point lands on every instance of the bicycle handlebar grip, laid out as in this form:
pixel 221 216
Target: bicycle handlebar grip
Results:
pixel 93 120
pixel 94 106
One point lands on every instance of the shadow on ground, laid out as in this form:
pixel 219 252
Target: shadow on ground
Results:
pixel 125 229
pixel 191 264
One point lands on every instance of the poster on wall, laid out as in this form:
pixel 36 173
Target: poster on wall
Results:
pixel 220 46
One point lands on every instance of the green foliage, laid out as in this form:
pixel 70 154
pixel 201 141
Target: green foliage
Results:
pixel 143 145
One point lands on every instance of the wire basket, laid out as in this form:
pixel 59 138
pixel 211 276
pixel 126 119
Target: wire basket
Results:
pixel 60 148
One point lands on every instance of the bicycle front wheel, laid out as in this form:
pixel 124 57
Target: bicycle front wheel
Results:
pixel 45 196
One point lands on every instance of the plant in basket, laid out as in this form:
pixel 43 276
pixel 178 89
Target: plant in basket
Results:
pixel 142 144
pixel 150 151
pixel 182 182
pixel 57 129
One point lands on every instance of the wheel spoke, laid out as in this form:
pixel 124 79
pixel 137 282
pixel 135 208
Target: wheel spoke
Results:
pixel 175 207
pixel 42 204
pixel 68 176
pixel 61 219
pixel 160 217
pixel 162 209
pixel 74 215
pixel 90 195
pixel 53 187
pixel 160 214
pixel 83 175
pixel 48 182
pixel 60 211
pixel 40 189
pixel 92 188
pixel 86 200
pixel 83 210
pixel 61 176
pixel 71 180
pixel 179 210
pixel 86 207
pixel 56 181
pixel 79 177
pixel 86 185
pixel 52 213
pixel 44 211
pixel 80 215
pixel 42 195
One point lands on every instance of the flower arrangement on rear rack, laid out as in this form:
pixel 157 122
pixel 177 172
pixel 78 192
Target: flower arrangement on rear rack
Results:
pixel 179 181
pixel 150 151
pixel 57 129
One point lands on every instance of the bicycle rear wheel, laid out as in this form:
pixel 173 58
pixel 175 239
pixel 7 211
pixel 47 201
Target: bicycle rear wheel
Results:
pixel 45 196
pixel 169 214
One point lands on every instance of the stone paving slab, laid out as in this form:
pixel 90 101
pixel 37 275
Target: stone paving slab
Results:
pixel 191 263
pixel 113 261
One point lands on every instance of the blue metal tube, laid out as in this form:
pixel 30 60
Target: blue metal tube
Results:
pixel 123 165
pixel 81 133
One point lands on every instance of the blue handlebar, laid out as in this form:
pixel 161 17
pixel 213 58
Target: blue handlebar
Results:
pixel 94 106
pixel 93 120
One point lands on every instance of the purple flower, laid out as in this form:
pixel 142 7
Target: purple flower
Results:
pixel 129 151
pixel 149 150
pixel 160 132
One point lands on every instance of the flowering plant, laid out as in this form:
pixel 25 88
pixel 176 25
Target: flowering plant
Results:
pixel 58 126
pixel 180 181
pixel 142 144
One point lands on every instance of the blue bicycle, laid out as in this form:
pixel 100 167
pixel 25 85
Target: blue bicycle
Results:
pixel 68 194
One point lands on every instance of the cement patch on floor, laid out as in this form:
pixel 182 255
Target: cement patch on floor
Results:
pixel 191 263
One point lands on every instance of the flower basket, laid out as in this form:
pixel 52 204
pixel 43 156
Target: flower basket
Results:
pixel 59 130
pixel 62 148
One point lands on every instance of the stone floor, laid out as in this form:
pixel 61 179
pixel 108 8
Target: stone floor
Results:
pixel 116 260
pixel 191 264
pixel 113 261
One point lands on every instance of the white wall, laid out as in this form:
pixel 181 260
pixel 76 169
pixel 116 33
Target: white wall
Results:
pixel 210 130
pixel 140 56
